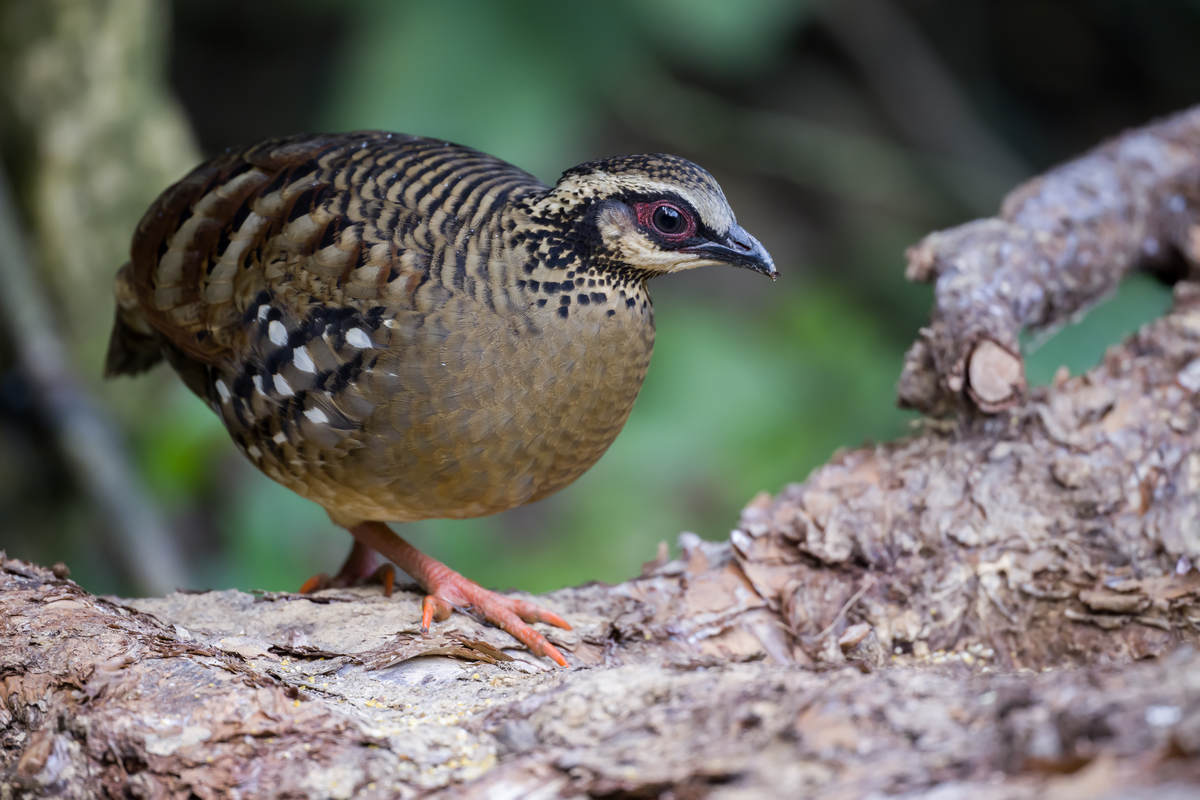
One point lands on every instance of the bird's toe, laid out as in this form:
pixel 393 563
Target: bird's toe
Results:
pixel 510 614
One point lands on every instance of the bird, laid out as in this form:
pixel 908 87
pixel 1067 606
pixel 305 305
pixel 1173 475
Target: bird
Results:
pixel 402 328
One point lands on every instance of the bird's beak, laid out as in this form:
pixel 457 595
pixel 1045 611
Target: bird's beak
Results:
pixel 739 249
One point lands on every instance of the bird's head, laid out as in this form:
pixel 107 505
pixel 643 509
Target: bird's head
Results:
pixel 652 214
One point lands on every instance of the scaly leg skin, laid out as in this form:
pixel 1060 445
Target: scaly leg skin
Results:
pixel 449 590
pixel 361 566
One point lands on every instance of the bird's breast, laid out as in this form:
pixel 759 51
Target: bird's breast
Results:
pixel 486 412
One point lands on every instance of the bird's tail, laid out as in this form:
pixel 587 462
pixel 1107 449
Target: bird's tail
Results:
pixel 133 346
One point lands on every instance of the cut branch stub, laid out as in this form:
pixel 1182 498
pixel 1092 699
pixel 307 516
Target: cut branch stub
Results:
pixel 995 377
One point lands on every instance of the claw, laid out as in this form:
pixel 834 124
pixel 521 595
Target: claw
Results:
pixel 385 575
pixel 434 609
pixel 316 583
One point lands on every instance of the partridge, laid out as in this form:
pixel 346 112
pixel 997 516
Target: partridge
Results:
pixel 400 328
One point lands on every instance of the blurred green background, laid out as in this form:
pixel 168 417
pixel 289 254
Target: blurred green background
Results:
pixel 841 131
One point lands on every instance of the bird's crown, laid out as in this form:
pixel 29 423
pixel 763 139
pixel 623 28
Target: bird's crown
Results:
pixel 651 176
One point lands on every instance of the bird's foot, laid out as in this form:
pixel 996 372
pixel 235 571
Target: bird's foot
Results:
pixel 451 590
pixel 448 590
pixel 362 566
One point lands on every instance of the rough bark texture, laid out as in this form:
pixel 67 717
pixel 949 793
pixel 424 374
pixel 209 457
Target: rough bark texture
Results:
pixel 1002 606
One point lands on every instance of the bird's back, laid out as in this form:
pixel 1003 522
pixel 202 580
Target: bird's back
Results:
pixel 353 308
pixel 347 220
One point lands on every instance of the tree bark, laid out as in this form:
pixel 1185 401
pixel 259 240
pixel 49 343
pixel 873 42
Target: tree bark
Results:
pixel 1004 605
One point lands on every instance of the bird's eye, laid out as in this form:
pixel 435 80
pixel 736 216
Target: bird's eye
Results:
pixel 667 220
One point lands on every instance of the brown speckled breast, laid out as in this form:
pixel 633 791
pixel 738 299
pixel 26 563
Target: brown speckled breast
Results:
pixel 363 316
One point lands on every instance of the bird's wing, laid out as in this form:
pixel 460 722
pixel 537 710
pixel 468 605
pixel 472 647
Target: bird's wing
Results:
pixel 334 230
pixel 278 276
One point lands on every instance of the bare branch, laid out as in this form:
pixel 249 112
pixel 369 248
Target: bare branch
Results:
pixel 1061 243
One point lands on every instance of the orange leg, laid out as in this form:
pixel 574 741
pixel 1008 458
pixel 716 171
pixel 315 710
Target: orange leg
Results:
pixel 448 590
pixel 362 565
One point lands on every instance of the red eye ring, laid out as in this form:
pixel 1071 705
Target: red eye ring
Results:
pixel 666 220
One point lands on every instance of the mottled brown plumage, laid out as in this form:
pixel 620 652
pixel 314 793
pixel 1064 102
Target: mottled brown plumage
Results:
pixel 400 328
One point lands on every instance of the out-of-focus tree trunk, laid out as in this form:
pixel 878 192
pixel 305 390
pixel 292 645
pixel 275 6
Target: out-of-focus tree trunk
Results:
pixel 90 133
pixel 88 129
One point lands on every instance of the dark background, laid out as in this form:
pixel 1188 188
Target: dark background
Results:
pixel 841 132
